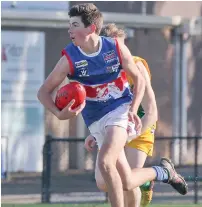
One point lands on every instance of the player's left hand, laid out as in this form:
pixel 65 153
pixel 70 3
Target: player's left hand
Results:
pixel 133 117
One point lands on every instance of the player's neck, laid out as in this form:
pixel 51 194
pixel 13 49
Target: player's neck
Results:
pixel 92 45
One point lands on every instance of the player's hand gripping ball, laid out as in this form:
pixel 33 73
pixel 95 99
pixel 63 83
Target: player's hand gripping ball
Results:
pixel 69 92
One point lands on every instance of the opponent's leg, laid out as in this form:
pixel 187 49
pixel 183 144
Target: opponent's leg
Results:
pixel 147 193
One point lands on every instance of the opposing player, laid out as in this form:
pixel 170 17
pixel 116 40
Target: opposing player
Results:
pixel 139 148
pixel 100 63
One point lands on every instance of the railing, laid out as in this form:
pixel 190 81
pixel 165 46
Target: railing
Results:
pixel 48 176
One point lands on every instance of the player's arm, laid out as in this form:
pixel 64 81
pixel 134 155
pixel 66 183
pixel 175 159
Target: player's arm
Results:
pixel 139 84
pixel 131 69
pixel 90 143
pixel 149 100
pixel 55 78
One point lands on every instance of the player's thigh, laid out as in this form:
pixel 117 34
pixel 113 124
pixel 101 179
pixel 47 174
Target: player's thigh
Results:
pixel 124 171
pixel 114 142
pixel 136 158
pixel 121 164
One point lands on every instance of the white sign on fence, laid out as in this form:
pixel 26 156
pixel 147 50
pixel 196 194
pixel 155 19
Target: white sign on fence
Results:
pixel 23 67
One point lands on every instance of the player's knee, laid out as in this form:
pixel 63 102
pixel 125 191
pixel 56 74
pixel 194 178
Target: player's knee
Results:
pixel 105 165
pixel 127 186
pixel 134 197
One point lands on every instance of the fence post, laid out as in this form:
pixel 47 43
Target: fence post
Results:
pixel 3 176
pixel 196 172
pixel 4 158
pixel 46 174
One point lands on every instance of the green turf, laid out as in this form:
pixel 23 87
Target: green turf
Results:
pixel 86 205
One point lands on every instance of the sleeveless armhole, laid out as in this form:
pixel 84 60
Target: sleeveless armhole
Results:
pixel 118 51
pixel 64 52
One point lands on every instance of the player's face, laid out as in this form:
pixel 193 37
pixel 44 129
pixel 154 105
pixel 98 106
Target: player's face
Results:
pixel 77 31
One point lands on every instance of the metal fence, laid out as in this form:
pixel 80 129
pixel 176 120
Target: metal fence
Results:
pixel 60 184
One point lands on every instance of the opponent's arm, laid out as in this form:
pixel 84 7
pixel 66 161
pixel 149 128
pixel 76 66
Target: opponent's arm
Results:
pixel 90 143
pixel 149 100
pixel 55 78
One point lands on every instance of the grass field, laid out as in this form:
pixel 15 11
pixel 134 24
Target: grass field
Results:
pixel 86 205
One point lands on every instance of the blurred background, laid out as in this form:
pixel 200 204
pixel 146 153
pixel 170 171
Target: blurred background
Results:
pixel 42 158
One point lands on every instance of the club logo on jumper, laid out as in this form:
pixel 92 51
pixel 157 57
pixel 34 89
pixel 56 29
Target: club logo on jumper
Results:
pixel 81 63
pixel 83 72
pixel 109 56
pixel 107 91
pixel 113 68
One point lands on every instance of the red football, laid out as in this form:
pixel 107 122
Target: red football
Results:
pixel 69 92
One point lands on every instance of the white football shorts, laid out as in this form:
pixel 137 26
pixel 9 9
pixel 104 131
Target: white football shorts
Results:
pixel 117 117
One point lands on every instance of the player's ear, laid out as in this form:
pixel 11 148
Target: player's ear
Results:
pixel 92 28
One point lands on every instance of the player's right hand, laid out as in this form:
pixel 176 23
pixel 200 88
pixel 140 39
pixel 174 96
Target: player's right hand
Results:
pixel 134 118
pixel 90 143
pixel 68 113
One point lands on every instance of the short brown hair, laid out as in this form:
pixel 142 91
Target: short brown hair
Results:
pixel 89 14
pixel 111 30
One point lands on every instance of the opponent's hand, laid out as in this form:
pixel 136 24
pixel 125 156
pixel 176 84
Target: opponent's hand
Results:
pixel 68 113
pixel 89 143
pixel 133 117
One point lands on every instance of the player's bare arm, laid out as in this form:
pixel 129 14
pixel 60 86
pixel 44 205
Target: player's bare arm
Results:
pixel 138 80
pixel 55 78
pixel 90 143
pixel 148 101
pixel 132 70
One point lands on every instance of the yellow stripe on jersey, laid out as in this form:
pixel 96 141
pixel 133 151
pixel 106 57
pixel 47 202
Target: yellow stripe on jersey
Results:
pixel 136 59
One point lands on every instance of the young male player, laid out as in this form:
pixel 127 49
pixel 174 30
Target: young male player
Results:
pixel 98 62
pixel 139 148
